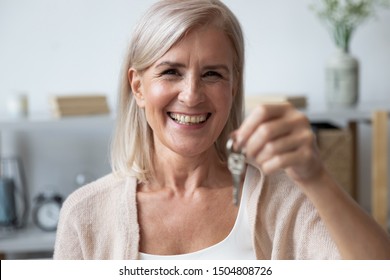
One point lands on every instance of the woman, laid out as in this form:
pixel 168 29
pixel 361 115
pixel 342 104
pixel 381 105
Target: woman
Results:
pixel 170 193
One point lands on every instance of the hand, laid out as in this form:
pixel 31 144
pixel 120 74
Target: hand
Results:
pixel 277 136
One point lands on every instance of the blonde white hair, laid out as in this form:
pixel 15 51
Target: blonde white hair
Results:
pixel 161 27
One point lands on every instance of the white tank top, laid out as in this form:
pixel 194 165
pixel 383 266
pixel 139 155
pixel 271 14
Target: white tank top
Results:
pixel 238 245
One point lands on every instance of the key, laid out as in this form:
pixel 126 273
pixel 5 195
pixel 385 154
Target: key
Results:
pixel 236 165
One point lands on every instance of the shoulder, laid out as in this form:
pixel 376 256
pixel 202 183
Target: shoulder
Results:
pixel 89 215
pixel 107 184
pixel 98 194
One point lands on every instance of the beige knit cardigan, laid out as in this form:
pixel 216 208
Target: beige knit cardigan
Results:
pixel 99 221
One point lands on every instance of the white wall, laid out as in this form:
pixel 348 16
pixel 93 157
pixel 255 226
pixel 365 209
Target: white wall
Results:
pixel 51 46
pixel 71 46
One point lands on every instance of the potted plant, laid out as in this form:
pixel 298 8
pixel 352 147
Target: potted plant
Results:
pixel 342 17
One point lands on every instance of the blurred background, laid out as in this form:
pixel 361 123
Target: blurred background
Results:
pixel 70 47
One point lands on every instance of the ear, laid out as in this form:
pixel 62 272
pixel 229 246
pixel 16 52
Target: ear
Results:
pixel 135 81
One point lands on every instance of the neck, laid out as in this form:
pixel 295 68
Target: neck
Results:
pixel 187 173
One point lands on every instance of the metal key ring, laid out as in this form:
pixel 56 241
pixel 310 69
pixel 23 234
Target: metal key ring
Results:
pixel 230 146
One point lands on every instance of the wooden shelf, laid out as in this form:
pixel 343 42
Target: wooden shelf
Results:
pixel 26 240
pixel 42 121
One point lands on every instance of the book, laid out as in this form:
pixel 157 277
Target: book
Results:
pixel 78 100
pixel 81 111
pixel 77 105
pixel 298 101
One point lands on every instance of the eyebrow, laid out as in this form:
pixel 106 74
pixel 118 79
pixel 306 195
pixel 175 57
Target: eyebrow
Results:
pixel 218 66
pixel 170 64
pixel 180 65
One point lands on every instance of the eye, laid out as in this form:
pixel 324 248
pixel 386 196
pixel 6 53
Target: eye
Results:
pixel 212 74
pixel 170 72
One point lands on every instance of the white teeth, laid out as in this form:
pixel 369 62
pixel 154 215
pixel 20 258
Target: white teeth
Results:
pixel 185 119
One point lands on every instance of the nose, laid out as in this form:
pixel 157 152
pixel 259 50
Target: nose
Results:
pixel 191 93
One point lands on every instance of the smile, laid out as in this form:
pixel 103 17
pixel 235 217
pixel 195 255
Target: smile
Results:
pixel 188 120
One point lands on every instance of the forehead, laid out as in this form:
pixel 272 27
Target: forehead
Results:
pixel 208 44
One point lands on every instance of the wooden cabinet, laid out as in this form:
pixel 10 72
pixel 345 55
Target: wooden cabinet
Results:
pixel 376 115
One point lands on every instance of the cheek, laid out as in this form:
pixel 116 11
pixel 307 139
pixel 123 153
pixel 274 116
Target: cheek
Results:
pixel 229 103
pixel 223 105
pixel 228 106
pixel 225 99
pixel 157 95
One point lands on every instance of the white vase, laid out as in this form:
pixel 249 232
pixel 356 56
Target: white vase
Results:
pixel 342 79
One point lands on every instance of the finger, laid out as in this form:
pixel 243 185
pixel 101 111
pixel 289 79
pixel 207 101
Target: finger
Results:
pixel 291 122
pixel 259 115
pixel 284 145
pixel 281 161
pixel 265 133
pixel 299 163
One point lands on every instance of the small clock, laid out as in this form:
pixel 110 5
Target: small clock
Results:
pixel 46 211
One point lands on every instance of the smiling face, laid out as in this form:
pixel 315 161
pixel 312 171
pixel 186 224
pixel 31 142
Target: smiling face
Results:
pixel 187 94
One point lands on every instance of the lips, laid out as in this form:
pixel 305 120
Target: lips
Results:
pixel 189 119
